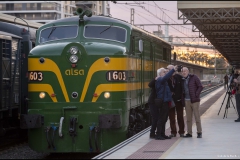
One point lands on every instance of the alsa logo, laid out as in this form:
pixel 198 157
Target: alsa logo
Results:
pixel 74 72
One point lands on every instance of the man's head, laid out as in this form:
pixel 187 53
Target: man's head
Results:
pixel 161 72
pixel 185 72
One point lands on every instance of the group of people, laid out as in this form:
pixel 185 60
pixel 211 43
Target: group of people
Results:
pixel 177 90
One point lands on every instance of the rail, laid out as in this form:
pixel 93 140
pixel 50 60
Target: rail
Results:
pixel 211 88
pixel 129 140
pixel 122 144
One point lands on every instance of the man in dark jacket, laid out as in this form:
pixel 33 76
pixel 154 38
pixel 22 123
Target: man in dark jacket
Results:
pixel 225 81
pixel 153 108
pixel 164 93
pixel 175 84
pixel 192 89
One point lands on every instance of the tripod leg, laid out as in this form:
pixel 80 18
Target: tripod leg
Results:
pixel 227 110
pixel 232 103
pixel 227 106
pixel 222 103
pixel 233 106
pixel 224 113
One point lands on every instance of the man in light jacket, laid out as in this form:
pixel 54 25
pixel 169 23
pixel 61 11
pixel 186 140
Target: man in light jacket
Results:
pixel 192 89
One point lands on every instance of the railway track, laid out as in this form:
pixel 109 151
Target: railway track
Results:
pixel 71 156
pixel 11 140
pixel 210 89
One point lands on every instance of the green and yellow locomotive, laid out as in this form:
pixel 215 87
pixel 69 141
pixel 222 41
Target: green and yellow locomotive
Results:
pixel 88 83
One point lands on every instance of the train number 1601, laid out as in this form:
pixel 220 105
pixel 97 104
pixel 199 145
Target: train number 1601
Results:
pixel 116 75
pixel 35 76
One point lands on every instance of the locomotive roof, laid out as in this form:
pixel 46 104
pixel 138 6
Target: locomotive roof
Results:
pixel 93 18
pixel 150 34
pixel 107 19
pixel 3 34
pixel 16 30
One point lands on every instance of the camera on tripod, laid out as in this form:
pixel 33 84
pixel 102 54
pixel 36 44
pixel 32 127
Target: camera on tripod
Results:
pixel 231 90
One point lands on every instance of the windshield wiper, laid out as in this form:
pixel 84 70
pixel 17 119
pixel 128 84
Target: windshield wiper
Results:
pixel 106 29
pixel 53 28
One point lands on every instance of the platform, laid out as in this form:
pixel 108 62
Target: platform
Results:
pixel 220 136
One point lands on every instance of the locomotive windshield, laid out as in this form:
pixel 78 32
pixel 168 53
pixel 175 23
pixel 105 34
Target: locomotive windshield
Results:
pixel 108 32
pixel 58 32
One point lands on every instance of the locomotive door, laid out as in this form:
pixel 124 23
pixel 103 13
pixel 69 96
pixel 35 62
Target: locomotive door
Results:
pixel 135 80
pixel 140 79
pixel 153 73
pixel 147 70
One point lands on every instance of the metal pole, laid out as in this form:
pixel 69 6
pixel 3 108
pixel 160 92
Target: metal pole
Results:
pixel 166 32
pixel 132 16
pixel 104 8
pixel 215 61
pixel 62 9
pixel 159 31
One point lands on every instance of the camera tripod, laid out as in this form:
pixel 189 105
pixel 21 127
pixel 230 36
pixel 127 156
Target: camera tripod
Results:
pixel 229 93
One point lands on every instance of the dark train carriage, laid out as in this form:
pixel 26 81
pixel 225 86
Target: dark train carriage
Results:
pixel 16 43
pixel 88 83
pixel 9 81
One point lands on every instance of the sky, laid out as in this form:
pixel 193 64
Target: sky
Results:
pixel 164 11
pixel 156 12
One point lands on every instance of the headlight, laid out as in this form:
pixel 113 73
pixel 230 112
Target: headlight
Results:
pixel 73 58
pixel 74 50
pixel 42 95
pixel 106 94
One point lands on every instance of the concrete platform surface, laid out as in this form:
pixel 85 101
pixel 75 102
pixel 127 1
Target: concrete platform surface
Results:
pixel 220 136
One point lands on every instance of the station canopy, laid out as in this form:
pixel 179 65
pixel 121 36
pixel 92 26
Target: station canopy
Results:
pixel 218 23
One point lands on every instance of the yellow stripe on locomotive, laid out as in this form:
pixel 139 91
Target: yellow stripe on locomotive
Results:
pixel 99 65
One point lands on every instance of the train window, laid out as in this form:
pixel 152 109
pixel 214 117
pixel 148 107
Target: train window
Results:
pixel 108 32
pixel 57 33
